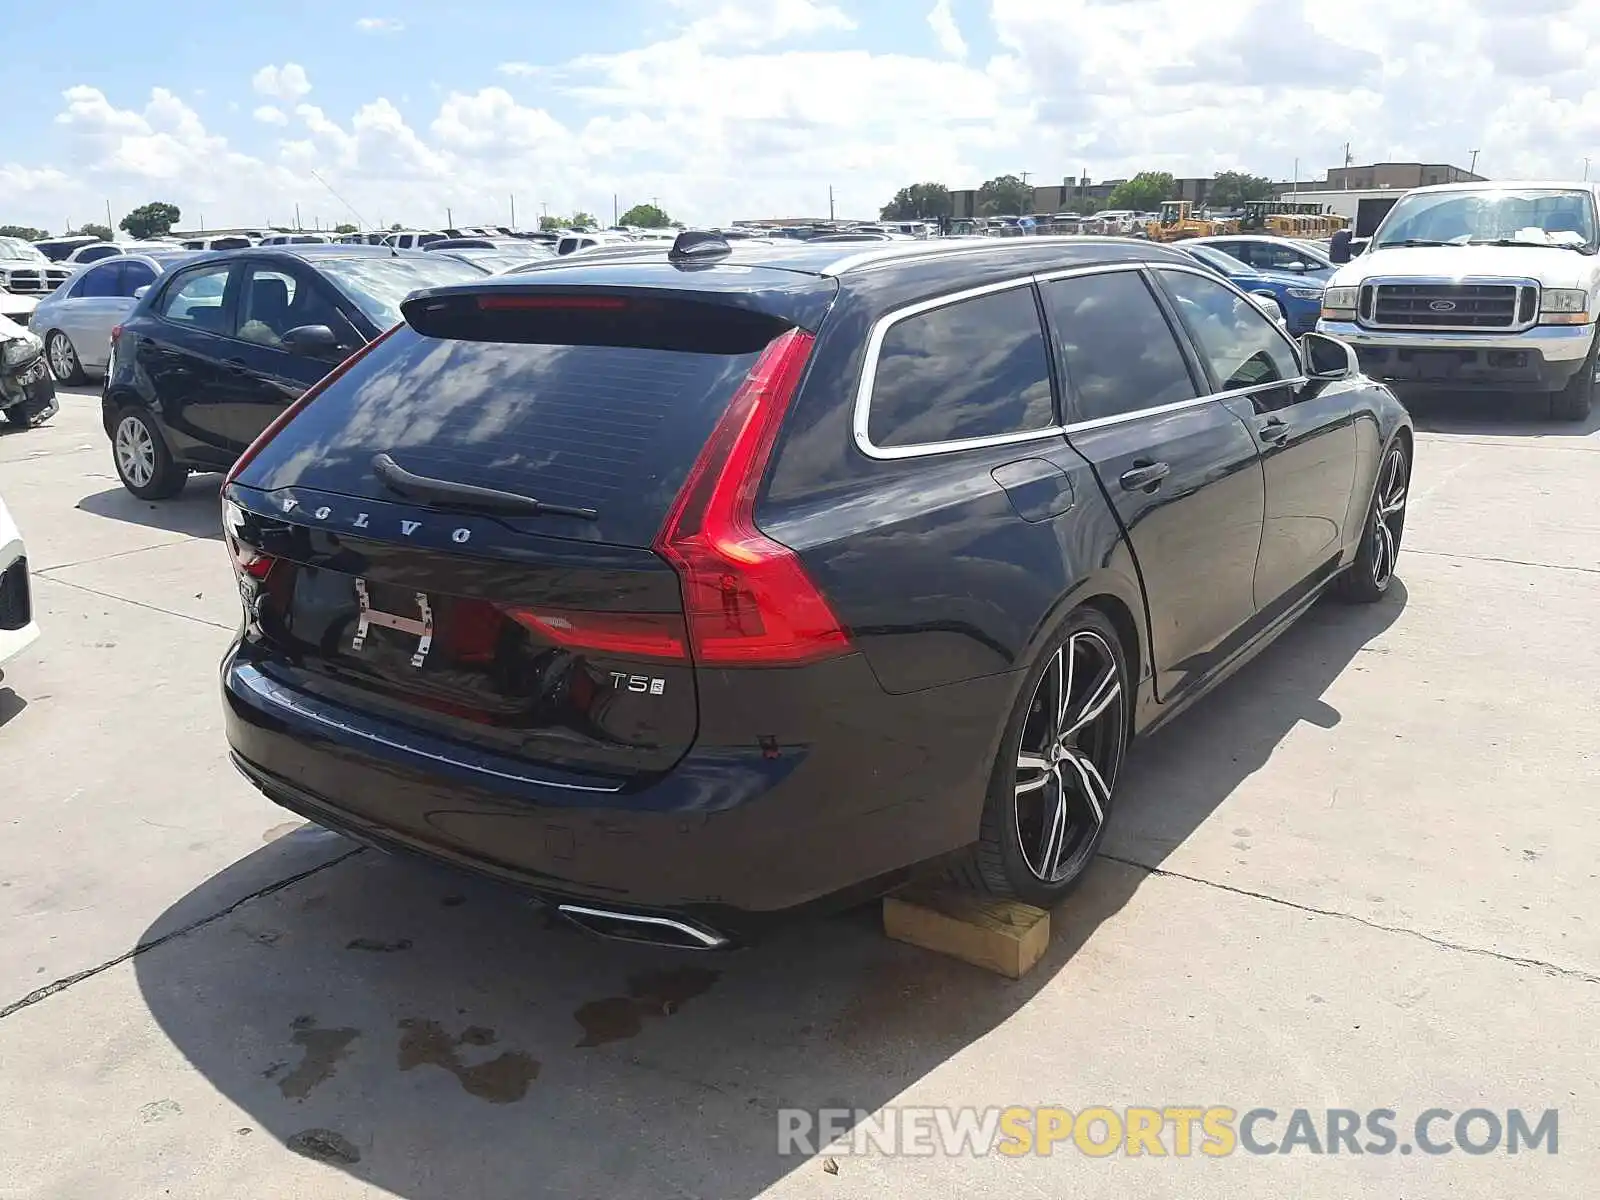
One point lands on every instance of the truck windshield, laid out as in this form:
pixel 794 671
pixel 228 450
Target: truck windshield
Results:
pixel 1531 217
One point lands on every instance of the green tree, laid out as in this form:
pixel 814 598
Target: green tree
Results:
pixel 646 216
pixel 920 201
pixel 155 219
pixel 26 232
pixel 1230 189
pixel 1005 195
pixel 345 228
pixel 1144 192
pixel 103 232
pixel 583 220
pixel 396 227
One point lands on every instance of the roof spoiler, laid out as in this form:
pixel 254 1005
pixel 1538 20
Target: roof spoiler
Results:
pixel 697 245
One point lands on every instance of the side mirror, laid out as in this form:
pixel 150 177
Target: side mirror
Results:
pixel 138 292
pixel 1296 266
pixel 312 341
pixel 1340 252
pixel 1328 359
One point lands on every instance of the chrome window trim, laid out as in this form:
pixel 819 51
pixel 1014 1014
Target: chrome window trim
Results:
pixel 862 414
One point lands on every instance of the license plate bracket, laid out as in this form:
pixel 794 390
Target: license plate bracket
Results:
pixel 421 625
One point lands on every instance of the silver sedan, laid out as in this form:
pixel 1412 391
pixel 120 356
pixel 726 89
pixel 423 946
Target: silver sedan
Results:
pixel 77 318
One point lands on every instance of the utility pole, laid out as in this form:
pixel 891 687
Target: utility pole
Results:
pixel 1586 170
pixel 613 208
pixel 1025 175
pixel 1296 185
pixel 1472 169
pixel 297 216
pixel 1348 158
pixel 449 218
pixel 111 225
pixel 513 210
pixel 830 202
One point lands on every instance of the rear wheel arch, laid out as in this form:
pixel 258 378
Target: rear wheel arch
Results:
pixel 1126 624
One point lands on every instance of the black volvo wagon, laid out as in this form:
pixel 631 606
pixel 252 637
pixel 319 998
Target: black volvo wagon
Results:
pixel 689 588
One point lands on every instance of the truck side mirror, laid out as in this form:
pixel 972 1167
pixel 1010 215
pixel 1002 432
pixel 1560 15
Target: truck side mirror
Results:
pixel 1339 252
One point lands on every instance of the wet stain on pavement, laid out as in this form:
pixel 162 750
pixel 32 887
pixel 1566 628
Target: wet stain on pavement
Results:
pixel 651 994
pixel 277 831
pixel 324 1048
pixel 502 1080
pixel 324 1145
pixel 159 1110
pixel 378 947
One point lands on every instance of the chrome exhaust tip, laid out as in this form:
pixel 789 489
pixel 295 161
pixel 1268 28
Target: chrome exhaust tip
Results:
pixel 671 932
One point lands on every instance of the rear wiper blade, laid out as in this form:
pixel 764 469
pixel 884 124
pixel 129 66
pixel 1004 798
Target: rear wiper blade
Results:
pixel 451 494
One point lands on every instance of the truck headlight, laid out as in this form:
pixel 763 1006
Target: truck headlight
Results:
pixel 21 349
pixel 1339 303
pixel 1564 306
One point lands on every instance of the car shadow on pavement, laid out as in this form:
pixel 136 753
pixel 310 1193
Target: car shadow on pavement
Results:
pixel 1494 414
pixel 11 704
pixel 195 511
pixel 437 1037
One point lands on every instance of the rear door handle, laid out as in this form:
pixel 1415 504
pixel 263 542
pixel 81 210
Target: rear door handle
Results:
pixel 1273 430
pixel 1146 475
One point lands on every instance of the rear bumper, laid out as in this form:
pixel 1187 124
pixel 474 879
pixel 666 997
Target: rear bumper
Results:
pixel 829 800
pixel 1540 359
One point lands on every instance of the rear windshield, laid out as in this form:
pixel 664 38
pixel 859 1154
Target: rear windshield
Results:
pixel 613 428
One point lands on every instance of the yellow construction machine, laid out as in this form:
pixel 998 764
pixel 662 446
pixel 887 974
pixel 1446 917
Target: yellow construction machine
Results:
pixel 1289 218
pixel 1178 221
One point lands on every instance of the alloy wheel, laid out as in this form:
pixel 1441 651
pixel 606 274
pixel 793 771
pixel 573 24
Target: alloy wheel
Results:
pixel 136 452
pixel 1389 515
pixel 1068 755
pixel 63 358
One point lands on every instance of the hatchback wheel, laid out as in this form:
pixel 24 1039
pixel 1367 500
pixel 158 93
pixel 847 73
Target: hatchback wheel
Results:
pixel 64 364
pixel 1367 578
pixel 1050 793
pixel 144 464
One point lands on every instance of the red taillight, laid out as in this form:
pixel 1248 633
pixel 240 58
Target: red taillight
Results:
pixel 496 301
pixel 256 566
pixel 116 334
pixel 306 397
pixel 747 599
pixel 630 635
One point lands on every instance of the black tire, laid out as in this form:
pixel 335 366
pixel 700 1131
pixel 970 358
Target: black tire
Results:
pixel 143 462
pixel 1368 577
pixel 62 356
pixel 1575 401
pixel 1013 856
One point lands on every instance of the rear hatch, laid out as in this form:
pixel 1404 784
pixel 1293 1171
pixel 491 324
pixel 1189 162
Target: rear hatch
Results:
pixel 454 534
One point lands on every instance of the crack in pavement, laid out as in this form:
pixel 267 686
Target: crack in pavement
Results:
pixel 1441 943
pixel 137 603
pixel 61 985
pixel 1510 562
pixel 183 540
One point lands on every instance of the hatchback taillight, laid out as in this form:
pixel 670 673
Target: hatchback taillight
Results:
pixel 747 598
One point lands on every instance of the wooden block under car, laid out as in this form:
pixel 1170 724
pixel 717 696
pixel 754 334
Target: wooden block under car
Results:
pixel 998 935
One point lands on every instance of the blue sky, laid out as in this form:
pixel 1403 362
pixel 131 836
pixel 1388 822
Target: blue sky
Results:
pixel 725 108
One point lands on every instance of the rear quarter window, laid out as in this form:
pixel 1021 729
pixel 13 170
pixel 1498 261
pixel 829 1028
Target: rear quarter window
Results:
pixel 977 368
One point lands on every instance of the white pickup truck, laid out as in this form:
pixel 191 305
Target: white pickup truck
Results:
pixel 1486 286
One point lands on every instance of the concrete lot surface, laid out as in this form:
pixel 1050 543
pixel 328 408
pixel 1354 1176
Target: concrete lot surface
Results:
pixel 1362 875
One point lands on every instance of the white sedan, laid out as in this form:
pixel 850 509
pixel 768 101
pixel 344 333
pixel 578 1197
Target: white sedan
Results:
pixel 17 626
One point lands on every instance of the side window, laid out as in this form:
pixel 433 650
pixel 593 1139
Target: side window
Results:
pixel 136 275
pixel 264 305
pixel 977 368
pixel 1239 342
pixel 194 298
pixel 99 282
pixel 1118 350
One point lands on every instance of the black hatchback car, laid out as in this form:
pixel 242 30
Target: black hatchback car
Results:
pixel 688 590
pixel 219 347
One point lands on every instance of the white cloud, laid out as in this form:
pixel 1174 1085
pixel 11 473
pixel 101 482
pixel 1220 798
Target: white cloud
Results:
pixel 286 83
pixel 943 23
pixel 380 24
pixel 743 107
